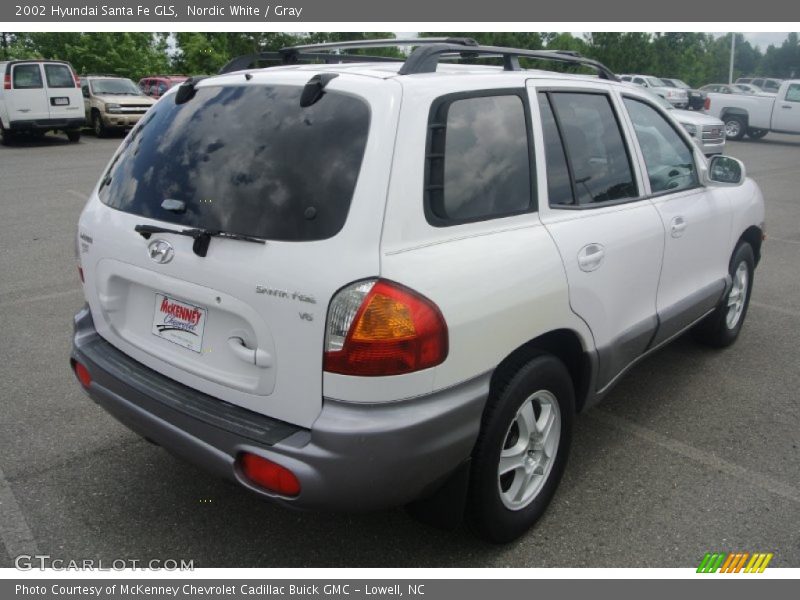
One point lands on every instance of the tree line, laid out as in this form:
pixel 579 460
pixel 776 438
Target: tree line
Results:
pixel 697 58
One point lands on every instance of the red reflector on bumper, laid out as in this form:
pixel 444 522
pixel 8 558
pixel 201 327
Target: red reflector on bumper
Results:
pixel 269 475
pixel 82 374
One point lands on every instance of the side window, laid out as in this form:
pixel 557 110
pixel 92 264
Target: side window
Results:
pixel 638 81
pixel 599 165
pixel 478 159
pixel 162 88
pixel 58 76
pixel 559 188
pixel 771 86
pixel 758 82
pixel 793 93
pixel 27 77
pixel 669 159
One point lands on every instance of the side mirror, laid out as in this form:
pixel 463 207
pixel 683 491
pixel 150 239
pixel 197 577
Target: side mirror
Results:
pixel 85 93
pixel 725 171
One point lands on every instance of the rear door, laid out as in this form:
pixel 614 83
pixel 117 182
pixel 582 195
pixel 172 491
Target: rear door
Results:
pixel 27 99
pixel 246 322
pixel 697 220
pixel 786 114
pixel 64 99
pixel 609 235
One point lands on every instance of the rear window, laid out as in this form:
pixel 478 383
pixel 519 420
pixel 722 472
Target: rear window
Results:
pixel 247 160
pixel 58 76
pixel 27 77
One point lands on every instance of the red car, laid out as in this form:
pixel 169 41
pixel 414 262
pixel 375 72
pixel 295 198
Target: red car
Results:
pixel 157 85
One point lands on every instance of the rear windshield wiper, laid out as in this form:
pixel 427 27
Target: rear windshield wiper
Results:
pixel 202 237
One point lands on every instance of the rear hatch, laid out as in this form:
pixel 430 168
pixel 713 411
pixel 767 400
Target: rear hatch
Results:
pixel 245 322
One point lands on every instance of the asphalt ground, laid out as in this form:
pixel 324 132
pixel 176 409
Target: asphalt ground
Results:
pixel 696 450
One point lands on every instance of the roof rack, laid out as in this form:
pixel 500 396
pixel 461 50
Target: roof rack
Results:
pixel 423 59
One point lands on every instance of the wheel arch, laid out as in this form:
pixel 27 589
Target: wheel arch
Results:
pixel 564 344
pixel 754 236
pixel 735 112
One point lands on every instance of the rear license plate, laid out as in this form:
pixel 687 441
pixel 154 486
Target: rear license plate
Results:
pixel 60 101
pixel 179 322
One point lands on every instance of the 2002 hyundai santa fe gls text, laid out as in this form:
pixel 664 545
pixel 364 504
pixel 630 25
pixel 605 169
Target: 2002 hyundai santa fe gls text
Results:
pixel 368 284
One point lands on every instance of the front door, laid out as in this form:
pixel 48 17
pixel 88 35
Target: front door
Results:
pixel 697 221
pixel 786 114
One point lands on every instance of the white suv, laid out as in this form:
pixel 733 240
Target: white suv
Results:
pixel 365 284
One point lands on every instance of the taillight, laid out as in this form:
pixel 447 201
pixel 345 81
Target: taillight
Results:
pixel 378 327
pixel 7 81
pixel 707 103
pixel 269 475
pixel 76 79
pixel 82 373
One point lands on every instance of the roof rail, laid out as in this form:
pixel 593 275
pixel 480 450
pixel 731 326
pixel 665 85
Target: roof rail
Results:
pixel 423 59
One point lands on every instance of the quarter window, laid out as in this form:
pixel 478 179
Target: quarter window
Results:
pixel 599 165
pixel 478 159
pixel 669 158
pixel 27 77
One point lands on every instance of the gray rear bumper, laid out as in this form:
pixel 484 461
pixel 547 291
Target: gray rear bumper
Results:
pixel 355 457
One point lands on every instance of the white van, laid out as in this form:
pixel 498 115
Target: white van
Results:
pixel 39 96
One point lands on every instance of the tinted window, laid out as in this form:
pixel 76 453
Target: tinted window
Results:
pixel 771 86
pixel 559 188
pixel 669 159
pixel 27 77
pixel 479 165
pixel 58 76
pixel 245 159
pixel 600 166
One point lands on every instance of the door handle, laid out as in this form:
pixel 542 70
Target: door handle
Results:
pixel 678 227
pixel 787 106
pixel 590 257
pixel 253 356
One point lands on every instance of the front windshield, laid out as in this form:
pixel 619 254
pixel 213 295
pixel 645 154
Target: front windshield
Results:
pixel 115 86
pixel 680 84
pixel 655 82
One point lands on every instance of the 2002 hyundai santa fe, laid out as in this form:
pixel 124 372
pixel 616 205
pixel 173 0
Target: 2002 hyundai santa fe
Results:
pixel 357 285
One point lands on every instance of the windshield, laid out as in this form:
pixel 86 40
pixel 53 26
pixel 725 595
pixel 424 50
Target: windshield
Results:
pixel 247 160
pixel 680 84
pixel 115 86
pixel 655 82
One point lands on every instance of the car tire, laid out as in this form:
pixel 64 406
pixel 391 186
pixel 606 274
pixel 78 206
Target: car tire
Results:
pixel 74 136
pixel 528 423
pixel 722 327
pixel 735 127
pixel 756 134
pixel 98 126
pixel 9 137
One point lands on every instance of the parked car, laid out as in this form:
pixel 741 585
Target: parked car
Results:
pixel 38 96
pixel 721 88
pixel 336 322
pixel 156 86
pixel 707 132
pixel 676 96
pixel 748 88
pixel 765 84
pixel 112 103
pixel 696 98
pixel 757 115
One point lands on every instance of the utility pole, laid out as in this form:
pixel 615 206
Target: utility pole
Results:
pixel 733 50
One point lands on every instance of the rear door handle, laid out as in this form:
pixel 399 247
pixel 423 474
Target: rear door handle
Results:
pixel 678 227
pixel 253 356
pixel 590 257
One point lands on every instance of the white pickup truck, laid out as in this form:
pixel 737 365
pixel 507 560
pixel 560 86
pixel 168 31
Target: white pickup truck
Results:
pixel 758 115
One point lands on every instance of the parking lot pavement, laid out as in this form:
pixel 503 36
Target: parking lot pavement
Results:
pixel 696 450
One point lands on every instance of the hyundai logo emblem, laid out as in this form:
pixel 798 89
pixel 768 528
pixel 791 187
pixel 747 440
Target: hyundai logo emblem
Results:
pixel 160 251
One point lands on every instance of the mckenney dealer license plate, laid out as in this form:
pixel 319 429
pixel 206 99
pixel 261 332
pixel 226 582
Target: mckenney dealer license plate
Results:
pixel 179 322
